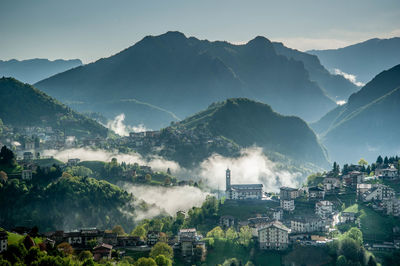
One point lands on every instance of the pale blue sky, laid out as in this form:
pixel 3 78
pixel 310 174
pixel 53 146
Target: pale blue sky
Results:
pixel 91 29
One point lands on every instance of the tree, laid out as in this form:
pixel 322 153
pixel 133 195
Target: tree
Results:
pixel 161 260
pixel 145 262
pixel 245 236
pixel 66 175
pixel 216 233
pixel 386 161
pixel 231 234
pixel 371 261
pixel 91 244
pixel 335 168
pixel 3 177
pixel 161 248
pixel 33 255
pixel 350 249
pixel 341 261
pixel 7 156
pixel 167 181
pixel 356 234
pixel 66 248
pixel 232 262
pixel 379 160
pixel 28 242
pixel 139 231
pixel 84 255
pixel 362 162
pixel 118 230
pixel 148 177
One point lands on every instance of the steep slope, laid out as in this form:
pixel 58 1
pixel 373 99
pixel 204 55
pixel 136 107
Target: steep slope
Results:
pixel 362 59
pixel 23 105
pixel 336 86
pixel 367 125
pixel 183 75
pixel 245 123
pixel 382 84
pixel 34 70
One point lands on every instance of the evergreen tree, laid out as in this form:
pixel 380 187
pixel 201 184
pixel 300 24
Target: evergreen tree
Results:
pixel 379 160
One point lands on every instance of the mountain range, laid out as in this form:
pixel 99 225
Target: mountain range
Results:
pixel 364 60
pixel 367 125
pixel 242 123
pixel 178 76
pixel 22 105
pixel 33 70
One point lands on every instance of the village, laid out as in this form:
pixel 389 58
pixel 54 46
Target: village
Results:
pixel 305 216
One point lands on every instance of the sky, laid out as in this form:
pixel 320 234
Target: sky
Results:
pixel 92 29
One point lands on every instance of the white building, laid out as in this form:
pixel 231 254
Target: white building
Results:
pixel 392 207
pixel 303 225
pixel 287 205
pixel 242 191
pixel 274 236
pixel 277 214
pixel 324 209
pixel 3 241
pixel 378 192
pixel 26 174
pixel 28 156
pixel 331 183
pixel 387 172
pixel 288 193
pixel 363 188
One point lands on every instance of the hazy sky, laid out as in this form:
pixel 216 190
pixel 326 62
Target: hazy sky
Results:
pixel 91 29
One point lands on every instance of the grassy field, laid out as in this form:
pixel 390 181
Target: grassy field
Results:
pixel 376 226
pixel 16 238
pixel 353 208
pixel 47 162
pixel 245 209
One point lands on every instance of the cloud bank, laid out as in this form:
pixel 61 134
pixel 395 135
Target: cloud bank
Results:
pixel 86 154
pixel 350 77
pixel 251 167
pixel 166 199
pixel 118 126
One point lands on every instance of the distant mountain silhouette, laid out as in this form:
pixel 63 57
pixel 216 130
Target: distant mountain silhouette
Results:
pixel 368 124
pixel 23 105
pixel 336 86
pixel 33 70
pixel 245 122
pixel 362 59
pixel 184 75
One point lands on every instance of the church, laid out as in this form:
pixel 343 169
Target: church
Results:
pixel 242 191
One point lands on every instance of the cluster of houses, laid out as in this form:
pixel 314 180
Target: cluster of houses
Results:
pixel 187 244
pixel 303 214
pixel 169 137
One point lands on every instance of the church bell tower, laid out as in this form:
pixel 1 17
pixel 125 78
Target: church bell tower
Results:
pixel 228 179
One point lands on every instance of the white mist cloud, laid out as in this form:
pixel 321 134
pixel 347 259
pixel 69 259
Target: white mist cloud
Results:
pixel 166 199
pixel 342 102
pixel 252 167
pixel 86 154
pixel 350 77
pixel 118 126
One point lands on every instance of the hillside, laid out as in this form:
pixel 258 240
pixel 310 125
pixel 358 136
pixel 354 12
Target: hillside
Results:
pixel 367 123
pixel 243 123
pixel 184 75
pixel 34 70
pixel 363 59
pixel 23 106
pixel 336 86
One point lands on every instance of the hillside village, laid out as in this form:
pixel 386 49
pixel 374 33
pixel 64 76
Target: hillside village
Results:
pixel 309 216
